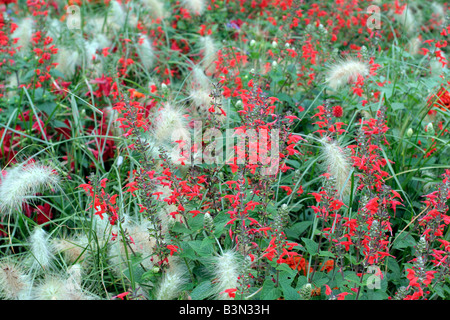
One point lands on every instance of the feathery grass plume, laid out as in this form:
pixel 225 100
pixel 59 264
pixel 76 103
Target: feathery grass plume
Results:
pixel 15 284
pixel 170 122
pixel 73 249
pixel 201 99
pixel 346 72
pixel 146 52
pixel 414 45
pixel 226 271
pixel 42 250
pixel 410 18
pixel 25 181
pixel 138 239
pixel 438 9
pixel 436 66
pixel 11 84
pixel 172 282
pixel 67 60
pixel 209 53
pixel 73 287
pixel 337 164
pixel 55 287
pixel 23 32
pixel 51 288
pixel 199 79
pixel 54 28
pixel 94 61
pixel 196 7
pixel 155 7
pixel 116 15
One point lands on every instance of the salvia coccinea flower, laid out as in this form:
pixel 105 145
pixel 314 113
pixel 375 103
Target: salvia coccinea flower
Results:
pixel 338 164
pixel 42 250
pixel 346 72
pixel 23 182
pixel 15 284
pixel 226 273
pixel 171 284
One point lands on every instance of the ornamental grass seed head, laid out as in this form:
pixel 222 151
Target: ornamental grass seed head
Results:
pixel 209 53
pixel 73 249
pixel 42 250
pixel 68 60
pixel 338 165
pixel 146 52
pixel 171 284
pixel 57 287
pixel 23 182
pixel 170 122
pixel 23 33
pixel 155 8
pixel 346 72
pixel 196 7
pixel 226 272
pixel 138 239
pixel 15 284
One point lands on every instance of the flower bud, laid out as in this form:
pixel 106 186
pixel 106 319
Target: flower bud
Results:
pixel 208 222
pixel 430 128
pixel 274 44
pixel 409 132
pixel 305 291
pixel 252 43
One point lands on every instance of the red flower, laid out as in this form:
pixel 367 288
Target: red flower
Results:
pixel 121 295
pixel 231 292
pixel 338 111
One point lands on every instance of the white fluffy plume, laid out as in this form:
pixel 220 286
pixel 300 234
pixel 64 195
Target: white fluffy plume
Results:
pixel 42 250
pixel 226 271
pixel 209 53
pixel 146 52
pixel 22 182
pixel 155 7
pixel 346 72
pixel 337 164
pixel 171 284
pixel 15 284
pixel 196 7
pixel 67 60
pixel 23 32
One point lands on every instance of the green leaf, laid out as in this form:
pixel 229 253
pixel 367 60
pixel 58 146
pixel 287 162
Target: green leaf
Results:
pixel 181 228
pixel 327 254
pixel 203 248
pixel 269 292
pixel 397 106
pixel 297 229
pixel 311 246
pixel 202 291
pixel 404 242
